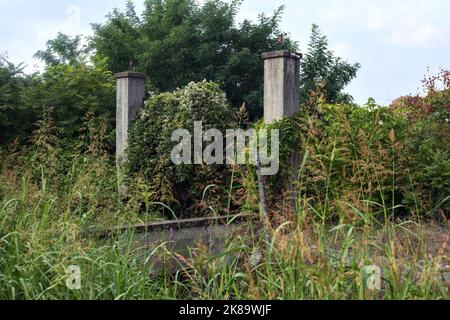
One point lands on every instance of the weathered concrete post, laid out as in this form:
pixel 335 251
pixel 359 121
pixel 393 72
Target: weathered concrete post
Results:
pixel 282 96
pixel 130 100
pixel 281 84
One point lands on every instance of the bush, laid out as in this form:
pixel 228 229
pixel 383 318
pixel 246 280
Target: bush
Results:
pixel 357 159
pixel 346 156
pixel 427 144
pixel 150 145
pixel 15 117
pixel 70 90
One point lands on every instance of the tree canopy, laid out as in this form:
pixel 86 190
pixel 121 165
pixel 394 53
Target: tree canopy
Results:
pixel 178 41
pixel 322 70
pixel 72 84
pixel 174 42
pixel 62 50
pixel 13 115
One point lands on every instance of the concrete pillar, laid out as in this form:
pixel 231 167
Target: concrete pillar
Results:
pixel 281 84
pixel 130 100
pixel 282 99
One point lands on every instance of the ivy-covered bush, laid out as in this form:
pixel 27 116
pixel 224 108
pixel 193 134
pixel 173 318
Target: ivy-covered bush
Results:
pixel 150 145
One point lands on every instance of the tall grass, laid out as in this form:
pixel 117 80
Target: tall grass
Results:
pixel 305 259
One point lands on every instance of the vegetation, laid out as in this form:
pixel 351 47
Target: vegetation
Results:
pixel 320 68
pixel 150 148
pixel 373 182
pixel 71 90
pixel 14 116
pixel 365 157
pixel 51 202
pixel 197 42
pixel 205 42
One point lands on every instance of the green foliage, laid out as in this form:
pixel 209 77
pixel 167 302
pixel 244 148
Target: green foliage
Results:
pixel 83 170
pixel 15 117
pixel 72 91
pixel 53 195
pixel 45 229
pixel 370 156
pixel 197 41
pixel 427 143
pixel 321 68
pixel 62 50
pixel 72 84
pixel 150 145
pixel 352 155
pixel 361 165
pixel 43 233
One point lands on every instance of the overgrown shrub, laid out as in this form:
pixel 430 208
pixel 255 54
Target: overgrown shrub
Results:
pixel 427 144
pixel 150 145
pixel 75 175
pixel 358 159
pixel 72 91
pixel 14 115
pixel 352 159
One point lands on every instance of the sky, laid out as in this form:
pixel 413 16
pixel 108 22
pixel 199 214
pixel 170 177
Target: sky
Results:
pixel 397 42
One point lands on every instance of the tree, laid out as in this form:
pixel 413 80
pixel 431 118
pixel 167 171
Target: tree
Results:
pixel 62 50
pixel 320 68
pixel 15 118
pixel 73 83
pixel 178 41
pixel 72 90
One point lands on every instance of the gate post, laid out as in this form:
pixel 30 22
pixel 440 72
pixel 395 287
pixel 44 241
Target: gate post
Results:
pixel 282 97
pixel 130 100
pixel 281 84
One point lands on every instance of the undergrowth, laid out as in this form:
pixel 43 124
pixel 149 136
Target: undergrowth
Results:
pixel 372 190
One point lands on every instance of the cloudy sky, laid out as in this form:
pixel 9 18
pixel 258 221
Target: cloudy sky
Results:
pixel 394 40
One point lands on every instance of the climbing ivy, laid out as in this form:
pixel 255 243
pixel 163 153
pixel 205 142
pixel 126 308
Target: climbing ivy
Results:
pixel 150 145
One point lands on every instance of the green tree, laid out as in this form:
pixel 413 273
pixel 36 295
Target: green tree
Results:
pixel 15 117
pixel 178 41
pixel 72 84
pixel 62 50
pixel 321 68
pixel 72 91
